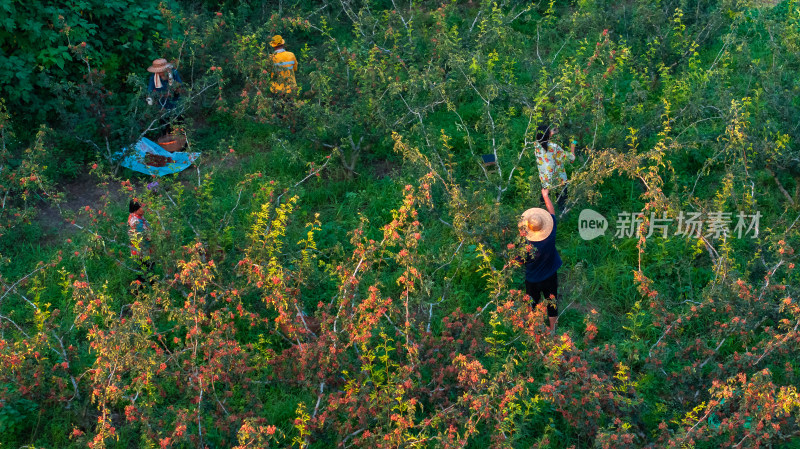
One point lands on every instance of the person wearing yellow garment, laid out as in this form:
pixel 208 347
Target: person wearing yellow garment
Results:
pixel 284 66
pixel 284 85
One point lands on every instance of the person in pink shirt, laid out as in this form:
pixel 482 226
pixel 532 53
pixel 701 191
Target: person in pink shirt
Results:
pixel 139 234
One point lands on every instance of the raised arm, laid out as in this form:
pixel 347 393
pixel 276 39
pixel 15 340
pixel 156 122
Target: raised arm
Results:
pixel 547 203
pixel 571 154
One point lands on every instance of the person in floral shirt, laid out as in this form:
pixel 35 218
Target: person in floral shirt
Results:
pixel 551 158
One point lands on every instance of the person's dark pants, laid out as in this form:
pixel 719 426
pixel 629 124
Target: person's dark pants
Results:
pixel 286 108
pixel 169 116
pixel 562 199
pixel 164 127
pixel 546 288
pixel 165 124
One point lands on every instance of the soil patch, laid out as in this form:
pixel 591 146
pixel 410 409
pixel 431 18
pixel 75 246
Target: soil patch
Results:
pixel 385 169
pixel 84 191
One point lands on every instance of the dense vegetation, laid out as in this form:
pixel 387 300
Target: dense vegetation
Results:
pixel 343 273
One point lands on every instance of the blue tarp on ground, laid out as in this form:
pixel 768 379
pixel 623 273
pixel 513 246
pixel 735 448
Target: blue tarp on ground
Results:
pixel 135 159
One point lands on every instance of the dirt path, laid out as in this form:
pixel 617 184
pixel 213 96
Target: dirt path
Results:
pixel 81 192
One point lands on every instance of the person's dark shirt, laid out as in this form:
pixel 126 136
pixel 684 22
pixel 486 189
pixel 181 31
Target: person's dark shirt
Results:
pixel 544 261
pixel 167 97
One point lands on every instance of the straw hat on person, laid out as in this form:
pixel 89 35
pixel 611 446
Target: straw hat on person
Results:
pixel 277 41
pixel 159 65
pixel 536 224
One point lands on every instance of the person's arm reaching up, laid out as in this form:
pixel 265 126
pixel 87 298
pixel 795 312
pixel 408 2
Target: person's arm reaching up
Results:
pixel 547 203
pixel 571 155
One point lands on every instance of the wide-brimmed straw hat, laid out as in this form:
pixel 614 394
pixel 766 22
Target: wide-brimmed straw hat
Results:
pixel 276 41
pixel 536 224
pixel 159 65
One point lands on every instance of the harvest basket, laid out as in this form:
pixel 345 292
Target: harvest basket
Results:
pixel 172 142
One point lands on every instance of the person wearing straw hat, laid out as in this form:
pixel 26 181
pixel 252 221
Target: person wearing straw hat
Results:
pixel 163 84
pixel 538 226
pixel 284 67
